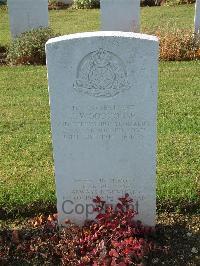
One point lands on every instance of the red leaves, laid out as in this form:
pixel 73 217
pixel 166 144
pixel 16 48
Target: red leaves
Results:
pixel 126 200
pixel 119 206
pixel 119 233
pixel 122 264
pixel 98 200
pixel 113 239
pixel 113 253
pixel 100 216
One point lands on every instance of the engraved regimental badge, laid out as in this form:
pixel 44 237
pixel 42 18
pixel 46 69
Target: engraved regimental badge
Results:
pixel 101 74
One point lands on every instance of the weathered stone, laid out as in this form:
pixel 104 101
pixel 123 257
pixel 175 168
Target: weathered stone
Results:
pixel 120 15
pixel 26 15
pixel 103 98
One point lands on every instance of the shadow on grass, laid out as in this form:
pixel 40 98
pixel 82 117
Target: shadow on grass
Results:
pixel 184 206
pixel 3 54
pixel 180 238
pixel 27 211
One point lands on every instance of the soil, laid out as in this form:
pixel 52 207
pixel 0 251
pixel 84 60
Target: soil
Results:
pixel 180 234
pixel 177 238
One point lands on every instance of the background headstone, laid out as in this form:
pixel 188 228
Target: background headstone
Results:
pixel 197 17
pixel 103 98
pixel 26 15
pixel 120 15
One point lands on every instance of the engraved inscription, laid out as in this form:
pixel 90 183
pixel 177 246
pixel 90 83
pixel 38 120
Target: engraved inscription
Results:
pixel 103 123
pixel 101 74
pixel 85 190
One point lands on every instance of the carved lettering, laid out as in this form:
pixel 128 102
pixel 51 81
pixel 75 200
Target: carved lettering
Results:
pixel 103 123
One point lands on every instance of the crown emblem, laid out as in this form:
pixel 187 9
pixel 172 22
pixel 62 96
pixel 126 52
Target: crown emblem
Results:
pixel 101 74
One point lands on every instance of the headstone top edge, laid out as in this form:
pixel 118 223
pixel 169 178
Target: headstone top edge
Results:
pixel 102 34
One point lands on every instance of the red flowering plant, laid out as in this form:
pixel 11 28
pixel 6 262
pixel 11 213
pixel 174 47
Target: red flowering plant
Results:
pixel 114 238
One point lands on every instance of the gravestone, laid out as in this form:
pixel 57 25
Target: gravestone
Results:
pixel 26 15
pixel 103 99
pixel 197 17
pixel 120 15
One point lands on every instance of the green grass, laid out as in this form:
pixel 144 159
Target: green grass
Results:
pixel 26 165
pixel 26 169
pixel 167 18
pixel 178 131
pixel 71 21
pixel 4 26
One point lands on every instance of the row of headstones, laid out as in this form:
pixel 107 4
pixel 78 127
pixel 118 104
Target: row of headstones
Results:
pixel 30 14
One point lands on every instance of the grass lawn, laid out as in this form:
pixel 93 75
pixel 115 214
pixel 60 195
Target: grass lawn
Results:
pixel 26 165
pixel 71 21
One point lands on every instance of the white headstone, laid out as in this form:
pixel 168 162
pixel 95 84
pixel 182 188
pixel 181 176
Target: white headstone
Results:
pixel 103 98
pixel 197 17
pixel 26 15
pixel 120 15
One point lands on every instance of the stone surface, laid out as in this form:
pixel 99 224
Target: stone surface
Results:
pixel 26 15
pixel 103 98
pixel 197 17
pixel 120 15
